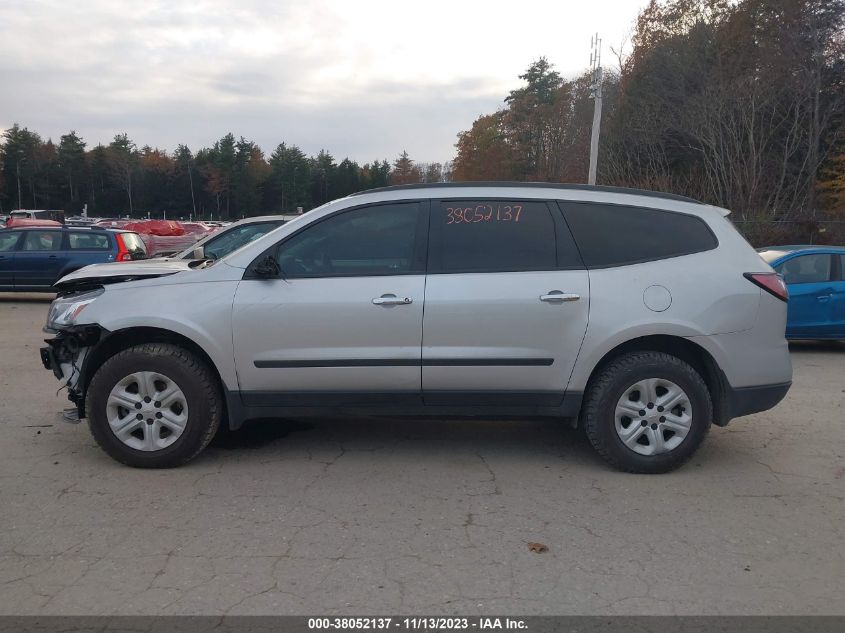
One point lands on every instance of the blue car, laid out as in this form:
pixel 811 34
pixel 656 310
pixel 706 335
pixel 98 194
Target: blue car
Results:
pixel 33 258
pixel 815 276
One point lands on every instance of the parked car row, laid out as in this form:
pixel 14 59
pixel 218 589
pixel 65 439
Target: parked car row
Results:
pixel 33 258
pixel 35 253
pixel 642 317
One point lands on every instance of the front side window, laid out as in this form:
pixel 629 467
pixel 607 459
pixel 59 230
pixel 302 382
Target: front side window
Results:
pixel 42 241
pixel 370 241
pixel 492 236
pixel 8 241
pixel 617 235
pixel 87 241
pixel 806 269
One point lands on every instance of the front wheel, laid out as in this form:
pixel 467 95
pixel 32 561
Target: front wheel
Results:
pixel 155 405
pixel 647 412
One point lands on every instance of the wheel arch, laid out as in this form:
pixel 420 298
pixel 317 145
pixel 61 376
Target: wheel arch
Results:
pixel 687 351
pixel 119 340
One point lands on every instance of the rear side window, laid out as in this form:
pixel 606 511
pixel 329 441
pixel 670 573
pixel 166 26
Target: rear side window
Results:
pixel 807 269
pixel 616 235
pixel 493 236
pixel 42 241
pixel 88 241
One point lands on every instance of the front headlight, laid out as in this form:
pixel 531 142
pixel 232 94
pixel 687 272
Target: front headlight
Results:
pixel 65 310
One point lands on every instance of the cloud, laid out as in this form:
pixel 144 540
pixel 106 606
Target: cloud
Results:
pixel 362 79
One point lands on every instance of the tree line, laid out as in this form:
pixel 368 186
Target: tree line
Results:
pixel 739 103
pixel 736 103
pixel 231 179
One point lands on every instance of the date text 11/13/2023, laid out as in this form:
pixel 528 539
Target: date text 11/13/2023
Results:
pixel 483 213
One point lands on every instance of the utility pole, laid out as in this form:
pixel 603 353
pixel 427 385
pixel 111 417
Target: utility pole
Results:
pixel 20 204
pixel 595 89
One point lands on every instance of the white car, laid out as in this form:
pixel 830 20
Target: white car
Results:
pixel 232 237
pixel 644 317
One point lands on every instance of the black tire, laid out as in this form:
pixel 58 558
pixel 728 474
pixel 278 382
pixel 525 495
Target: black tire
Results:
pixel 608 386
pixel 193 377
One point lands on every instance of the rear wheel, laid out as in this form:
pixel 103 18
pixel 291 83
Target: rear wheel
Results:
pixel 153 406
pixel 647 412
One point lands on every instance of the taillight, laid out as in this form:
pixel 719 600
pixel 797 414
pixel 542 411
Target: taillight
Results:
pixel 771 283
pixel 123 254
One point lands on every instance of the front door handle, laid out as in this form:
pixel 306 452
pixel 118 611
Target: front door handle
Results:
pixel 392 300
pixel 823 298
pixel 556 296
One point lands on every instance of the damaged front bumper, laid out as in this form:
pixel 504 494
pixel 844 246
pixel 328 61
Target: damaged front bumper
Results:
pixel 66 354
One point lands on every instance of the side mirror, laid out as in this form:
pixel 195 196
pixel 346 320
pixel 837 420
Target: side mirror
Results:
pixel 198 253
pixel 267 267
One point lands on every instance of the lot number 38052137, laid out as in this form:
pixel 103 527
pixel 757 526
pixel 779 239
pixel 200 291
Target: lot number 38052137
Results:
pixel 483 213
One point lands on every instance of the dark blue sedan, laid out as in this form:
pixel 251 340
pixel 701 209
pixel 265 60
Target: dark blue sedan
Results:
pixel 33 258
pixel 815 276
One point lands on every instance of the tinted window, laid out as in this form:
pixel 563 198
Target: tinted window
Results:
pixel 378 240
pixel 8 241
pixel 88 241
pixel 231 240
pixel 42 241
pixel 615 235
pixel 492 236
pixel 806 269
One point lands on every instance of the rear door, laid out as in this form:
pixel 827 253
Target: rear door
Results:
pixel 39 259
pixel 506 304
pixel 88 247
pixel 811 288
pixel 8 243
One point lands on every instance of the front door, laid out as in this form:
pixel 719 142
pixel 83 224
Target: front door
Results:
pixel 8 242
pixel 810 307
pixel 506 304
pixel 342 324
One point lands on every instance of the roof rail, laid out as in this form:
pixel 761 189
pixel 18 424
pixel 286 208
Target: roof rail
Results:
pixel 536 185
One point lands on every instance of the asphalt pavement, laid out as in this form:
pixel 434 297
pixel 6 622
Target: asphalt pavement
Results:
pixel 386 516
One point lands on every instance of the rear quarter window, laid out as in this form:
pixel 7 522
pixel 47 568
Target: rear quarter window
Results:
pixel 617 235
pixel 88 241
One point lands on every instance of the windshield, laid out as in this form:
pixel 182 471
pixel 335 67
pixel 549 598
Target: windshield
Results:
pixel 134 244
pixel 230 240
pixel 770 256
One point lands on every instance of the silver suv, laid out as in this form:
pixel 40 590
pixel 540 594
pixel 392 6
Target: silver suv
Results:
pixel 641 316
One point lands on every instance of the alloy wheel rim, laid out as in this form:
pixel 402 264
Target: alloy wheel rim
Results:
pixel 653 416
pixel 147 411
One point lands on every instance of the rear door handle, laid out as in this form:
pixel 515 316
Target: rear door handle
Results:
pixel 823 298
pixel 392 300
pixel 556 296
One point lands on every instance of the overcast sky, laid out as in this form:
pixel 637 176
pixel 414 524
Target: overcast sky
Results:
pixel 364 79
